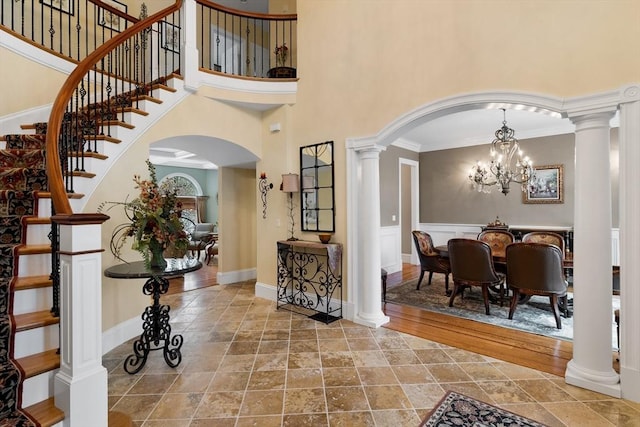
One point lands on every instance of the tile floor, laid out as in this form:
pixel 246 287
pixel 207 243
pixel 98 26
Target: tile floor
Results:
pixel 247 364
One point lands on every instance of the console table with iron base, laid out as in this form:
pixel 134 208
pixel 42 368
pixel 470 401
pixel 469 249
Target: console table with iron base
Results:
pixel 156 330
pixel 310 279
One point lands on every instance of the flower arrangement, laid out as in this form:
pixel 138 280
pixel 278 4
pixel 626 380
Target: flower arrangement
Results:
pixel 154 222
pixel 281 54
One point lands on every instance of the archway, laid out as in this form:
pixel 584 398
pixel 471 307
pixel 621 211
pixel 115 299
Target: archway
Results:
pixel 589 114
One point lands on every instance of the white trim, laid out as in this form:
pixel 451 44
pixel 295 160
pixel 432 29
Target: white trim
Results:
pixel 391 248
pixel 236 276
pixel 415 203
pixel 122 332
pixel 35 54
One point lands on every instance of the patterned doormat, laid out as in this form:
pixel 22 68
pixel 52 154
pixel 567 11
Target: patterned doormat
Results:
pixel 535 316
pixel 463 411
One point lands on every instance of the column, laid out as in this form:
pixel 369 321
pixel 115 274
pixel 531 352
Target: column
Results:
pixel 369 289
pixel 591 366
pixel 630 242
pixel 80 386
pixel 189 48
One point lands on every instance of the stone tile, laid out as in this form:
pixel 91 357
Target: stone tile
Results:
pixel 270 362
pixel 534 411
pixel 340 377
pixel 262 421
pixel 275 335
pixel 396 417
pixel 305 401
pixel 305 420
pixel 333 345
pixel 386 397
pixel 330 333
pixel 351 419
pixel 433 356
pixel 575 413
pixel 505 392
pixel 448 373
pixel 516 372
pixel 153 384
pixel 482 371
pixel 304 360
pixel 377 376
pixel 544 391
pixel 243 347
pixel 191 382
pixel 345 399
pixel 138 407
pixel 393 342
pixel 412 374
pixel 267 380
pixel 338 359
pixel 303 346
pixel 237 363
pixel 213 422
pixel 229 381
pixel 401 357
pixel 303 334
pixel 177 405
pixel 369 358
pixel 616 411
pixel 220 404
pixel 262 402
pixel 358 344
pixel 270 347
pixel 423 395
pixel 464 356
pixel 119 384
pixel 304 378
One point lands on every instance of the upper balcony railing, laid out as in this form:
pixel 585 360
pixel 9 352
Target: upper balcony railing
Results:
pixel 229 41
pixel 68 28
pixel 245 44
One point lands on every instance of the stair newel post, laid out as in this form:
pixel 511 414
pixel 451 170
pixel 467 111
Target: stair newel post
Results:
pixel 81 373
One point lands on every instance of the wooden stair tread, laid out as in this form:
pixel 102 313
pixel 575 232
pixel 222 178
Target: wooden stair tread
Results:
pixel 90 154
pixel 163 87
pixel 36 220
pixel 115 123
pixel 36 319
pixel 45 412
pixel 82 174
pixel 102 138
pixel 37 364
pixel 32 282
pixel 47 195
pixel 34 249
pixel 147 98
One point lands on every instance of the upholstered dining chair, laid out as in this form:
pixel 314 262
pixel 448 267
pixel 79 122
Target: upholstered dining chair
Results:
pixel 536 269
pixel 430 259
pixel 498 240
pixel 472 265
pixel 545 237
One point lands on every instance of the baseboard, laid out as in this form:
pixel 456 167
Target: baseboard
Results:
pixel 120 333
pixel 236 276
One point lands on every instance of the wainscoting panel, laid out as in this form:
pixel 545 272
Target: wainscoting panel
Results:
pixel 441 233
pixel 391 249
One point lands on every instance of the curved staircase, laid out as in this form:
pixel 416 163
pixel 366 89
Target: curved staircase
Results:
pixel 29 323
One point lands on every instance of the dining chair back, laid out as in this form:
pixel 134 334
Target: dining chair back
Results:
pixel 430 259
pixel 498 240
pixel 472 265
pixel 536 269
pixel 545 237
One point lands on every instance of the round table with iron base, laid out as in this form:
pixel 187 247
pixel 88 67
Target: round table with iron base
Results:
pixel 156 330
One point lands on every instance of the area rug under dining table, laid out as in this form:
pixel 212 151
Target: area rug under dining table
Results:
pixel 456 409
pixel 534 316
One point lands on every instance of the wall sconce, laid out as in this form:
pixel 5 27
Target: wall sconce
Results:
pixel 290 184
pixel 264 188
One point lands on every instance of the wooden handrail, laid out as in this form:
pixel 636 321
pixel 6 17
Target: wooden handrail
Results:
pixel 263 16
pixel 54 171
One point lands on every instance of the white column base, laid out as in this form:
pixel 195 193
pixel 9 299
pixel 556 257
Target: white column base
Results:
pixel 371 321
pixel 82 399
pixel 603 382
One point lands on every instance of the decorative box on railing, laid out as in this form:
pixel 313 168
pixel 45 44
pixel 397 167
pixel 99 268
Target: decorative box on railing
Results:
pixel 310 279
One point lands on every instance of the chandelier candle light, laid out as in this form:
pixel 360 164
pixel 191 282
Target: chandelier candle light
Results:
pixel 500 172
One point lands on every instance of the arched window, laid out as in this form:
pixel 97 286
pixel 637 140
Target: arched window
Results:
pixel 189 193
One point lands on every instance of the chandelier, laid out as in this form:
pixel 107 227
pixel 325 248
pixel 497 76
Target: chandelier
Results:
pixel 501 170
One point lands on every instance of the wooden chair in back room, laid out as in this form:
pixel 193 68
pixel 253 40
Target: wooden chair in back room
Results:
pixel 430 259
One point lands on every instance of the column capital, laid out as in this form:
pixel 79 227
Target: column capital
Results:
pixel 365 145
pixel 592 120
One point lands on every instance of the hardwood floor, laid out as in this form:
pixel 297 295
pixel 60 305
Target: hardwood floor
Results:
pixel 534 351
pixel 206 276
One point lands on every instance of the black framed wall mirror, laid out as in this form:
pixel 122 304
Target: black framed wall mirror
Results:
pixel 317 195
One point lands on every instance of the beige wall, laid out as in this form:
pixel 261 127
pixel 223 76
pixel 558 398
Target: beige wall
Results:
pixel 25 84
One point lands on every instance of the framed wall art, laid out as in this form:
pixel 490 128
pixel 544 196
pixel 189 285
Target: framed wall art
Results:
pixel 65 6
pixel 169 36
pixel 546 186
pixel 109 19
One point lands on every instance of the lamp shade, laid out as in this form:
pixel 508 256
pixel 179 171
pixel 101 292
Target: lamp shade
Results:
pixel 290 183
